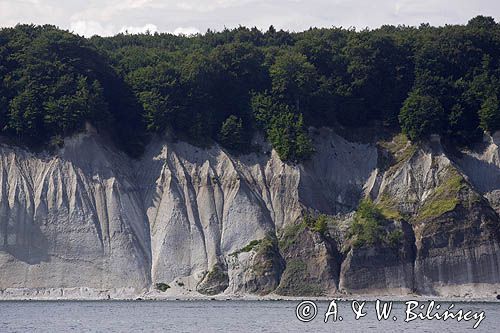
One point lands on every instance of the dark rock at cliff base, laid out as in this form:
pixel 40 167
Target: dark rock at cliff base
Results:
pixel 312 263
pixel 258 267
pixel 382 267
pixel 460 247
pixel 215 281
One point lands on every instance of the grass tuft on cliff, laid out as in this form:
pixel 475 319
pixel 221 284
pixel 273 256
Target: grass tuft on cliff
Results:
pixel 399 150
pixel 258 245
pixel 388 208
pixel 249 247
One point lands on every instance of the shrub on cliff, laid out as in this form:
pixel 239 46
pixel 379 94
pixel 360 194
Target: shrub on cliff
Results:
pixel 366 228
pixel 371 227
pixel 288 136
pixel 162 286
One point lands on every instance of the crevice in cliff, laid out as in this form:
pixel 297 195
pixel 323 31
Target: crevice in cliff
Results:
pixel 339 259
pixel 414 253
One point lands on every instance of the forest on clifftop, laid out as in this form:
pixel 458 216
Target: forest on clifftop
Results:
pixel 223 86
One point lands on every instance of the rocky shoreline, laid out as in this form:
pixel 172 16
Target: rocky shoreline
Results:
pixel 88 294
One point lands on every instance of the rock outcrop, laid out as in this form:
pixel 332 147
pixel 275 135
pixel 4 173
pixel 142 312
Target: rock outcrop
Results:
pixel 381 269
pixel 89 220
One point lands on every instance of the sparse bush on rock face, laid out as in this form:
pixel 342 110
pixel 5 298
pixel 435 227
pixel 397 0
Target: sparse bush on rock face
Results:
pixel 261 266
pixel 318 223
pixel 162 286
pixel 372 227
pixel 313 272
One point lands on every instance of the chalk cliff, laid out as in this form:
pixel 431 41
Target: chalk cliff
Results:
pixel 90 221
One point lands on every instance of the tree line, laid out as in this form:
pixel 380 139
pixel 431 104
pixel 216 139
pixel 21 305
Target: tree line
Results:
pixel 224 86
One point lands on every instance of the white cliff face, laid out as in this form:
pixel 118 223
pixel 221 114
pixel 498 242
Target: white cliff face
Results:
pixel 335 178
pixel 203 205
pixel 90 218
pixel 71 220
pixel 482 167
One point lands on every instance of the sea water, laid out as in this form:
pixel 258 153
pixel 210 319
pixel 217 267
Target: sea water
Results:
pixel 224 316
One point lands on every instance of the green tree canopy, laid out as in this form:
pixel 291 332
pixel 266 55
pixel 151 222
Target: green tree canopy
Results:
pixel 489 114
pixel 232 134
pixel 293 78
pixel 225 86
pixel 421 116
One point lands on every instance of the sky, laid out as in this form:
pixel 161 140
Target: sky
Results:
pixel 109 17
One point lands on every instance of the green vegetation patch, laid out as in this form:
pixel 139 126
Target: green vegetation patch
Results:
pixel 444 198
pixel 259 245
pixel 422 114
pixel 288 136
pixel 247 248
pixel 395 237
pixel 316 224
pixel 214 282
pixel 266 254
pixel 266 245
pixel 217 274
pixel 388 208
pixel 290 233
pixel 397 144
pixel 369 227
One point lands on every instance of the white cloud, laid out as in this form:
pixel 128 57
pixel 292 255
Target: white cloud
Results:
pixel 206 6
pixel 29 11
pixel 108 17
pixel 139 30
pixel 186 31
pixel 137 3
pixel 91 28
